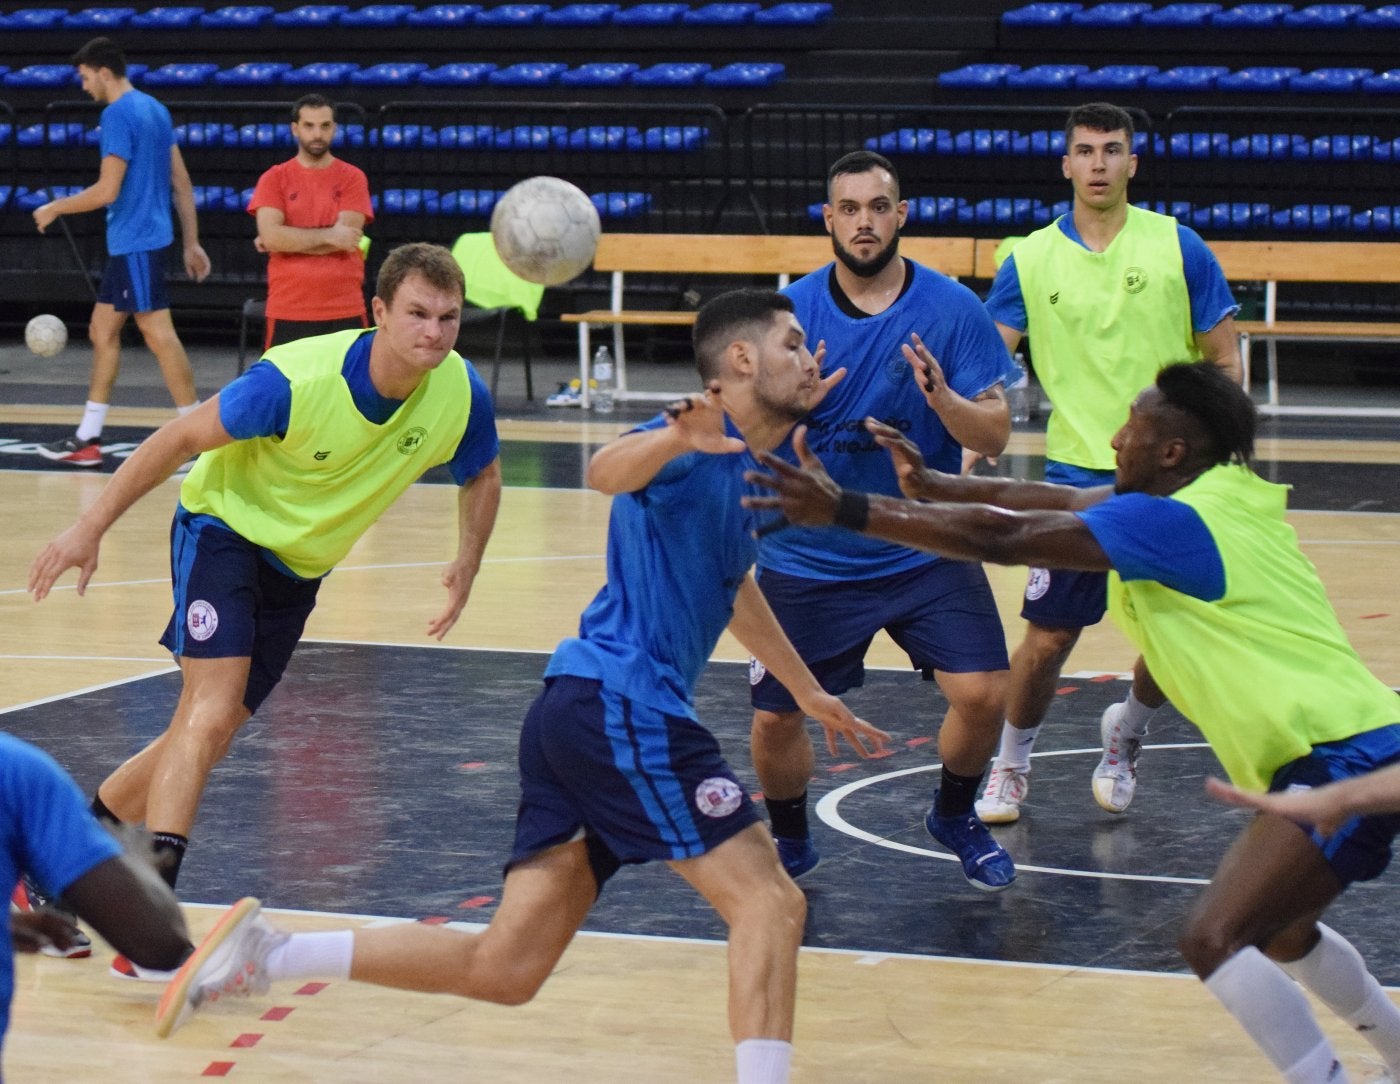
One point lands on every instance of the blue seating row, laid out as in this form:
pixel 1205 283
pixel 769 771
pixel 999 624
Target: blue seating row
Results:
pixel 417 73
pixel 1117 77
pixel 375 16
pixel 1205 15
pixel 1262 146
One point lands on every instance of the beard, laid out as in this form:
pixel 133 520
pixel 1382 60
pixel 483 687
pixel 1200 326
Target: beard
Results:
pixel 866 269
pixel 317 149
pixel 793 408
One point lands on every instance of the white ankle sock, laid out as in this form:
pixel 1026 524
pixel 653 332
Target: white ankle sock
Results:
pixel 763 1061
pixel 312 956
pixel 1337 974
pixel 1016 746
pixel 1136 715
pixel 181 411
pixel 94 416
pixel 1277 1016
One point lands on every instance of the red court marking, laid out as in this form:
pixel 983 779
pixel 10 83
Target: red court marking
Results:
pixel 278 1012
pixel 310 989
pixel 476 901
pixel 757 796
pixel 248 1038
pixel 841 767
pixel 1067 690
pixel 1372 617
pixel 1104 677
pixel 914 743
pixel 471 765
pixel 886 752
pixel 435 920
pixel 218 1068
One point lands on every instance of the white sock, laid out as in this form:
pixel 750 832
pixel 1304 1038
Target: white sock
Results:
pixel 181 411
pixel 1337 974
pixel 763 1061
pixel 312 956
pixel 1136 715
pixel 1016 746
pixel 94 416
pixel 1277 1016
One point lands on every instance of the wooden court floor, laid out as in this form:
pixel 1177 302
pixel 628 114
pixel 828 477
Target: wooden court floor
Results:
pixel 621 1007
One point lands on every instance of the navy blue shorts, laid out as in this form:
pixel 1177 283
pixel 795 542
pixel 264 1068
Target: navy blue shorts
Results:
pixel 638 784
pixel 1360 849
pixel 135 282
pixel 231 603
pixel 1059 599
pixel 942 614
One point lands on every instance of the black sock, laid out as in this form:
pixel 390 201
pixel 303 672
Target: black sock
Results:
pixel 102 813
pixel 956 793
pixel 170 852
pixel 788 816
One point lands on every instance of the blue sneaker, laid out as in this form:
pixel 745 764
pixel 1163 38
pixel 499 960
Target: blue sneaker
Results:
pixel 798 856
pixel 985 863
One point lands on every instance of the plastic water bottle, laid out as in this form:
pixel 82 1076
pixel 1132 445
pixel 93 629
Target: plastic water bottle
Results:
pixel 1018 395
pixel 601 394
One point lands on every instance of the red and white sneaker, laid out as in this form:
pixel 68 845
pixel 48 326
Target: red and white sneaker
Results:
pixel 123 968
pixel 1115 777
pixel 27 896
pixel 73 452
pixel 1006 789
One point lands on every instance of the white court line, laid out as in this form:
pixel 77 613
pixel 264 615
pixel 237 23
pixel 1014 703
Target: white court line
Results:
pixel 170 669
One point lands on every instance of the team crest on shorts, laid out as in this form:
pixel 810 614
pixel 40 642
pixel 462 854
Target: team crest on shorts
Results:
pixel 201 619
pixel 1037 583
pixel 718 797
pixel 756 671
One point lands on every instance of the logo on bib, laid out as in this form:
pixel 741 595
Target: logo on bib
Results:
pixel 201 619
pixel 411 441
pixel 1134 279
pixel 756 671
pixel 1037 583
pixel 718 797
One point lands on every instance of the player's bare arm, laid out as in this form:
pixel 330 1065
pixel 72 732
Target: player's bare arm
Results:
pixel 477 504
pixel 1326 808
pixel 981 424
pixel 1221 347
pixel 694 423
pixel 102 193
pixel 274 235
pixel 197 264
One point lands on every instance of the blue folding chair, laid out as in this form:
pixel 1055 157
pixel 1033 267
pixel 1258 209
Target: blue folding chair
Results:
pixel 793 13
pixel 599 74
pixel 978 76
pixel 1324 16
pixel 1187 14
pixel 444 15
pixel 530 73
pixel 253 73
pixel 310 15
pixel 321 73
pixel 511 15
pixel 1257 80
pixel 1187 77
pixel 98 19
pixel 390 73
pixel 661 14
pixel 671 74
pixel 237 17
pixel 1116 77
pixel 462 73
pixel 181 75
pixel 1329 81
pixel 1116 14
pixel 1040 14
pixel 1046 77
pixel 166 18
pixel 378 16
pixel 1251 16
pixel 745 74
pixel 580 15
pixel 1381 18
pixel 735 14
pixel 43 75
pixel 33 19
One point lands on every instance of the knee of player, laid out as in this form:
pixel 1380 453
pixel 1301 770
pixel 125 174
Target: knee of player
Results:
pixel 511 984
pixel 778 724
pixel 1206 942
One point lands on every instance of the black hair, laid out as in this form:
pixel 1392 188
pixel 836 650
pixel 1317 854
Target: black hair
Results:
pixel 731 316
pixel 861 162
pixel 1098 117
pixel 1221 409
pixel 310 101
pixel 101 53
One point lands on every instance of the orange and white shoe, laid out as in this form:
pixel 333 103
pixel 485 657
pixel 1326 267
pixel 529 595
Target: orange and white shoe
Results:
pixel 123 968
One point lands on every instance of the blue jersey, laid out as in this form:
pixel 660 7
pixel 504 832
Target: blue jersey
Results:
pixel 48 832
pixel 1160 539
pixel 952 322
pixel 678 549
pixel 136 128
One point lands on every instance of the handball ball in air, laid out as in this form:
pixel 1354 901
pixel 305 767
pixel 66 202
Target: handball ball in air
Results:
pixel 46 335
pixel 545 230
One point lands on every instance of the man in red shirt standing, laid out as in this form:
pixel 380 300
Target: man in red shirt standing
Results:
pixel 311 213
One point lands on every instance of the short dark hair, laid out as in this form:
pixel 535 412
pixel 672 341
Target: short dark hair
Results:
pixel 1221 409
pixel 1098 117
pixel 101 53
pixel 730 316
pixel 311 101
pixel 861 162
pixel 433 262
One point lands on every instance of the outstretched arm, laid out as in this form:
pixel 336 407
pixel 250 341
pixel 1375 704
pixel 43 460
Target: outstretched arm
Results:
pixel 1326 808
pixel 477 504
pixel 125 901
pixel 693 424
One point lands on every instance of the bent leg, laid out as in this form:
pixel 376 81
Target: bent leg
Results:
pixel 782 751
pixel 1035 673
pixel 159 332
pixel 970 730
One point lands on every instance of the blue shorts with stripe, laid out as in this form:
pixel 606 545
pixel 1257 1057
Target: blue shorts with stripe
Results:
pixel 640 784
pixel 135 282
pixel 1060 599
pixel 1360 850
pixel 943 615
pixel 231 603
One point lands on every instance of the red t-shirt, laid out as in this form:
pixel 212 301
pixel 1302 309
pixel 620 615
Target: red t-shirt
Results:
pixel 300 285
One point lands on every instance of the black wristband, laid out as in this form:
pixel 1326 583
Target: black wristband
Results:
pixel 852 510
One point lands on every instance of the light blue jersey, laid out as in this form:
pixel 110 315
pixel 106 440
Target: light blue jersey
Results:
pixel 136 128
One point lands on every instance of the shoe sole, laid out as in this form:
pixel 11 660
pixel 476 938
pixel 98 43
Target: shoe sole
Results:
pixel 76 952
pixel 173 1008
pixel 1107 806
pixel 1009 817
pixel 144 974
pixel 928 827
pixel 66 459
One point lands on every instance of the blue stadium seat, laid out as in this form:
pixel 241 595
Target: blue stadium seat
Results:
pixel 531 137
pixel 602 74
pixel 1263 146
pixel 1186 14
pixel 215 197
pixel 320 73
pixel 265 135
pixel 1375 220
pixel 746 74
pixel 468 201
pixel 730 14
pixel 206 134
pixel 1329 81
pixel 1193 145
pixel 511 15
pixel 404 136
pixel 1257 80
pixel 466 135
pixel 1186 77
pixel 444 15
pixel 253 73
pixel 1046 77
pixel 181 75
pixel 43 75
pixel 621 204
pixel 1311 217
pixel 1251 16
pixel 98 19
pixel 236 17
pixel 349 135
pixel 1050 143
pixel 981 142
pixel 4 196
pixel 391 73
pixel 378 16
pixel 462 73
pixel 1323 16
pixel 927 209
pixel 57 134
pixel 671 137
pixel 978 76
pixel 409 201
pixel 26 199
pixel 1230 216
pixel 1041 14
pixel 662 14
pixel 1381 18
pixel 137 73
pixel 6 130
pixel 794 13
pixel 580 15
pixel 309 15
pixel 602 137
pixel 1115 14
pixel 1387 82
pixel 166 18
pixel 33 19
pixel 1116 77
pixel 529 73
pixel 907 141
pixel 671 74
pixel 1334 148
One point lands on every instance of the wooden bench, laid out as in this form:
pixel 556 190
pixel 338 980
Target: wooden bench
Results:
pixel 718 254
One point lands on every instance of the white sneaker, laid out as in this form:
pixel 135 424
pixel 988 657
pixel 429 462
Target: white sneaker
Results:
pixel 1006 789
pixel 1115 778
pixel 123 968
pixel 232 960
